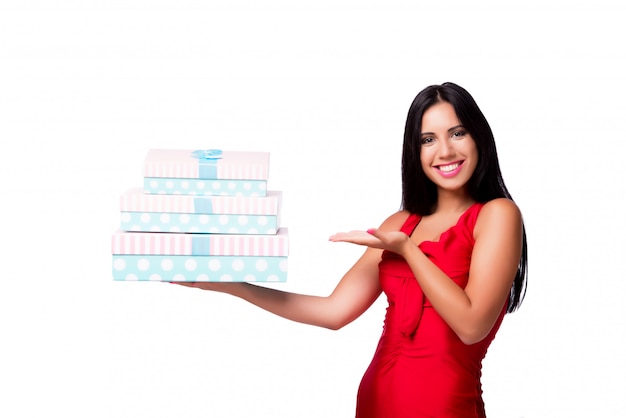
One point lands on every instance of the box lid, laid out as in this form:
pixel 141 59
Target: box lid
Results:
pixel 166 243
pixel 135 200
pixel 206 164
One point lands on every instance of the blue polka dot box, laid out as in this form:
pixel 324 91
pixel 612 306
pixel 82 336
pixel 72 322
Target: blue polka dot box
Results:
pixel 210 172
pixel 161 256
pixel 256 215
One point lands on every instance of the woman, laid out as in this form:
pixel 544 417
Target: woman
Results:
pixel 451 264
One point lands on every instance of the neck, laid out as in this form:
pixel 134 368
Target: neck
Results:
pixel 453 201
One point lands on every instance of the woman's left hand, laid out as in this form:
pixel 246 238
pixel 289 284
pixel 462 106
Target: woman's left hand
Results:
pixel 394 241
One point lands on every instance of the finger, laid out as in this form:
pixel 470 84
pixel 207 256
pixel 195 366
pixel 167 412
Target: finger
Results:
pixel 343 236
pixel 336 237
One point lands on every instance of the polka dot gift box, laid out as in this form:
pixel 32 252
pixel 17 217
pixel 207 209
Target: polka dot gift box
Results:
pixel 158 256
pixel 203 215
pixel 210 172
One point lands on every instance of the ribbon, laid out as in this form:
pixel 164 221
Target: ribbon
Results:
pixel 207 162
pixel 208 154
pixel 202 205
pixel 200 245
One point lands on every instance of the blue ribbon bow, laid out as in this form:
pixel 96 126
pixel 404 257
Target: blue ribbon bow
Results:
pixel 208 154
pixel 207 162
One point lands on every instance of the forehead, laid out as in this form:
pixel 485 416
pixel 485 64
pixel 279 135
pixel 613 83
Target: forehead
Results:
pixel 439 116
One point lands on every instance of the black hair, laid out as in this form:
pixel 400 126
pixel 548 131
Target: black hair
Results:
pixel 419 194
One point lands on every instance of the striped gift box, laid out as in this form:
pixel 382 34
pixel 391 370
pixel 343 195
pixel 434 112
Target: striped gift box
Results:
pixel 206 172
pixel 162 243
pixel 199 164
pixel 149 256
pixel 135 200
pixel 200 214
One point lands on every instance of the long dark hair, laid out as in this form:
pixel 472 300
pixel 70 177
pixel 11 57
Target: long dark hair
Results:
pixel 419 194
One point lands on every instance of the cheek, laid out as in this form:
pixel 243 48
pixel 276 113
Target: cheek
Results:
pixel 426 159
pixel 472 149
pixel 425 156
pixel 475 157
pixel 425 164
pixel 474 160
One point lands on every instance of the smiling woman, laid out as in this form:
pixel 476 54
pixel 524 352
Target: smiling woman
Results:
pixel 448 151
pixel 452 263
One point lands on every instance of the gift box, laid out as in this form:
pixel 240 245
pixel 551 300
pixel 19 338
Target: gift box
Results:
pixel 164 243
pixel 149 256
pixel 184 268
pixel 203 215
pixel 210 172
pixel 200 214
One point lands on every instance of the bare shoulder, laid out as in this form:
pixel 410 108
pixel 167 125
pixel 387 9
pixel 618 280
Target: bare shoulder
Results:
pixel 395 221
pixel 501 205
pixel 498 213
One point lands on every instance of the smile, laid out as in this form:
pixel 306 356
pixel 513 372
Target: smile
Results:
pixel 449 170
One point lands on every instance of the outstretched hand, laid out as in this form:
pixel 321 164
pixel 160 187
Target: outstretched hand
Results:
pixel 214 286
pixel 394 241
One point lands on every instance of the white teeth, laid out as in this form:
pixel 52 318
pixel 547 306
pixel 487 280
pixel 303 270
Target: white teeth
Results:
pixel 448 168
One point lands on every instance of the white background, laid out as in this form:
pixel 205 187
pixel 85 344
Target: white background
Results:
pixel 87 87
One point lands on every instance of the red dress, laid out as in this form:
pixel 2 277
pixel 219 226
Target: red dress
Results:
pixel 421 368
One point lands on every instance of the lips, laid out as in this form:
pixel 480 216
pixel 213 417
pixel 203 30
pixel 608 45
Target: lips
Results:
pixel 449 170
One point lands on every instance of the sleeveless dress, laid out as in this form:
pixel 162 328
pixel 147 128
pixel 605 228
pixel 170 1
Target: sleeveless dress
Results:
pixel 420 367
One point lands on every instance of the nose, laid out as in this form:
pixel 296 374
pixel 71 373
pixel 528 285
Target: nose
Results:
pixel 446 149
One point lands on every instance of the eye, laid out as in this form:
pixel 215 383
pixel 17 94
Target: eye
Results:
pixel 459 134
pixel 427 140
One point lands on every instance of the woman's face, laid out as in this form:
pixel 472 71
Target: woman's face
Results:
pixel 448 153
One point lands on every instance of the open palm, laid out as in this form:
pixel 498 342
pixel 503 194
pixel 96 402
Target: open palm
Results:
pixel 391 240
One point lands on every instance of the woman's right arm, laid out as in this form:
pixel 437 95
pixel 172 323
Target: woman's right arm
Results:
pixel 354 294
pixel 356 291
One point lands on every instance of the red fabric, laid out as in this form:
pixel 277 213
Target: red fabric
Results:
pixel 421 368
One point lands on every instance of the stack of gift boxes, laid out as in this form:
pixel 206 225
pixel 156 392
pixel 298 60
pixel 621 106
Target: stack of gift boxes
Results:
pixel 201 216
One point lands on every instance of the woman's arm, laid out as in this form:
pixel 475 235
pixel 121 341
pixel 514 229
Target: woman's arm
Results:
pixel 352 296
pixel 356 291
pixel 470 312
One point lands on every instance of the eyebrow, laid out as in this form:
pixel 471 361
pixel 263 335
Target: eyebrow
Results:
pixel 449 130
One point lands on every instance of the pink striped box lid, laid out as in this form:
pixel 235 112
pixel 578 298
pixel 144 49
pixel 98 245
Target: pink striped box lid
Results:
pixel 135 200
pixel 164 243
pixel 206 164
